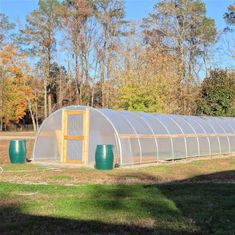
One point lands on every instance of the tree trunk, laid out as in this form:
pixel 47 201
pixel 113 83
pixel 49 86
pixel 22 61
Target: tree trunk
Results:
pixel 102 86
pixel 92 97
pixel 60 91
pixel 1 123
pixel 32 116
pixel 77 80
pixel 69 83
pixel 45 97
pixel 81 81
pixel 49 103
pixel 36 115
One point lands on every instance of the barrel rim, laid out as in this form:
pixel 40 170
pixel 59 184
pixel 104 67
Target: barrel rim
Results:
pixel 17 140
pixel 104 145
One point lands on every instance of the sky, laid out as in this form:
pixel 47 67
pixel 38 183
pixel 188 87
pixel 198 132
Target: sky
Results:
pixel 135 9
pixel 16 10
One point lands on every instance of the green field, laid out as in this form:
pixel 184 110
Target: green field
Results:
pixel 147 200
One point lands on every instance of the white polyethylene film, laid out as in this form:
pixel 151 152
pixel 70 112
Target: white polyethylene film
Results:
pixel 47 143
pixel 137 137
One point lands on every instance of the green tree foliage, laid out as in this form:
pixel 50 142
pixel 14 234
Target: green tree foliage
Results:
pixel 135 97
pixel 218 94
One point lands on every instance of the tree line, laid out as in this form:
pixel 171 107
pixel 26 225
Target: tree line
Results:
pixel 86 52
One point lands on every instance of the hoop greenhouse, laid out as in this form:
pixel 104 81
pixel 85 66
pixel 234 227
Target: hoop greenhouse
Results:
pixel 71 135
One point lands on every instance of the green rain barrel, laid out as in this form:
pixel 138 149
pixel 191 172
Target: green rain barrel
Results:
pixel 17 151
pixel 104 157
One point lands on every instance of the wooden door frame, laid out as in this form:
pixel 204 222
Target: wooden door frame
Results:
pixel 84 137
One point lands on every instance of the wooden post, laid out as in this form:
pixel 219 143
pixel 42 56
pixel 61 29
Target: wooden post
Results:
pixel 86 131
pixel 63 134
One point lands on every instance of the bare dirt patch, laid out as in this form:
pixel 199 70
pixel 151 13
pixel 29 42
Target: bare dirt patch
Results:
pixel 210 170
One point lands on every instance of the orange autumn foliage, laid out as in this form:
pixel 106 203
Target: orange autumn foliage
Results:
pixel 14 89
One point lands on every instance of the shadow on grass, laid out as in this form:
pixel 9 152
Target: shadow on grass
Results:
pixel 222 177
pixel 181 207
pixel 203 204
pixel 13 221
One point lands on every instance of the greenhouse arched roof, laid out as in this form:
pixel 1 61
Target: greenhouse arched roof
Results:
pixel 71 135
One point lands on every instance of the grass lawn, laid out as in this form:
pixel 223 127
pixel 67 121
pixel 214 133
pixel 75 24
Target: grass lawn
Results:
pixel 202 208
pixel 182 198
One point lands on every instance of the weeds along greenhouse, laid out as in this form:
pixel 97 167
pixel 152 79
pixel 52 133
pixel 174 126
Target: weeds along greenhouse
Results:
pixel 71 135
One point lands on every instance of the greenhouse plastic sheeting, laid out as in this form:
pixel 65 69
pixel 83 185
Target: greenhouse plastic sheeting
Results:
pixel 137 137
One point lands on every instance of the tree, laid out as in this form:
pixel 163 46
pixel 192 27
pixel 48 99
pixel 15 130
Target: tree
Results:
pixel 230 20
pixel 5 28
pixel 58 85
pixel 40 36
pixel 181 27
pixel 78 34
pixel 145 79
pixel 110 14
pixel 217 95
pixel 92 32
pixel 230 15
pixel 35 105
pixel 16 91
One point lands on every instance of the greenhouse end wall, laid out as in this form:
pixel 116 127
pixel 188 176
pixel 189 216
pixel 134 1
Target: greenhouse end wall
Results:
pixel 137 137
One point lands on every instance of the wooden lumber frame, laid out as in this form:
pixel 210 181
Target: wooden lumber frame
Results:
pixel 84 137
pixel 64 132
pixel 74 112
pixel 86 131
pixel 74 161
pixel 17 137
pixel 74 137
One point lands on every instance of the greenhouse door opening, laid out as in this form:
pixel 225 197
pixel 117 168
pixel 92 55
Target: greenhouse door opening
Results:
pixel 75 136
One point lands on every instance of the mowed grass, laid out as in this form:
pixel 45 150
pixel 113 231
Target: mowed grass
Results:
pixel 204 208
pixel 196 197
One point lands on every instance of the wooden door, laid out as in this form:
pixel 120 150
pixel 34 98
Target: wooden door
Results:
pixel 75 136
